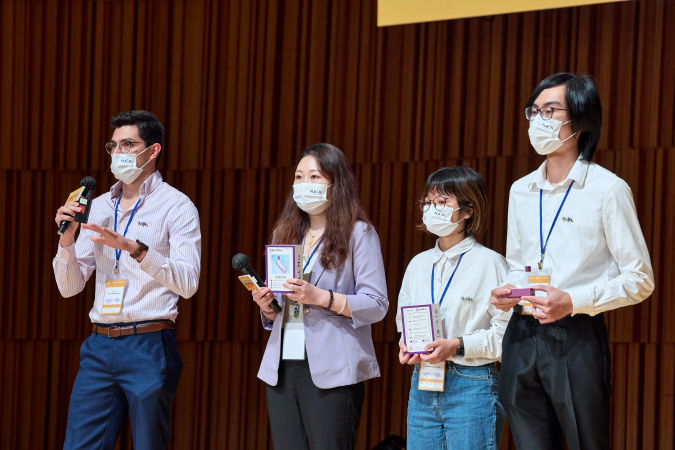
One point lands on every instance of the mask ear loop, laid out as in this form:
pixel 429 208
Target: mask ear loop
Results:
pixel 570 134
pixel 466 209
pixel 146 163
pixel 568 137
pixel 453 211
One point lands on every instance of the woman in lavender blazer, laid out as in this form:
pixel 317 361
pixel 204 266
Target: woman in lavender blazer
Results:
pixel 321 350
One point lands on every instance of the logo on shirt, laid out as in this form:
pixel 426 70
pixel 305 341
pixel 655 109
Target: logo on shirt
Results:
pixel 467 299
pixel 567 219
pixel 142 224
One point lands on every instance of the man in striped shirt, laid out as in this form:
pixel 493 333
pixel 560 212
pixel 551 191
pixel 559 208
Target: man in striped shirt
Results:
pixel 144 241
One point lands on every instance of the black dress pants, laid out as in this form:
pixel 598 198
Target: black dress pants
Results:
pixel 555 380
pixel 303 416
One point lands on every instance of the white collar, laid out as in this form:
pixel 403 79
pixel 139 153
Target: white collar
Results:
pixel 464 246
pixel 578 174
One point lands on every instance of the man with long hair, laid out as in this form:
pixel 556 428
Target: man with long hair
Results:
pixel 575 224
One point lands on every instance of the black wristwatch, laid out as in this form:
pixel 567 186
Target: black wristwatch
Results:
pixel 460 347
pixel 139 249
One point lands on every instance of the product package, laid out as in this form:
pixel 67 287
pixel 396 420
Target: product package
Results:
pixel 520 292
pixel 421 325
pixel 283 262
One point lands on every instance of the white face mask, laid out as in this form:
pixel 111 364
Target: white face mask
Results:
pixel 544 134
pixel 440 222
pixel 311 197
pixel 123 166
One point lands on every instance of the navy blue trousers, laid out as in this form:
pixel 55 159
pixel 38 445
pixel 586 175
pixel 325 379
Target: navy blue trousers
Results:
pixel 132 376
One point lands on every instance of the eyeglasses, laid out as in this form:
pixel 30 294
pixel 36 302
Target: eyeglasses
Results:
pixel 546 112
pixel 439 203
pixel 124 146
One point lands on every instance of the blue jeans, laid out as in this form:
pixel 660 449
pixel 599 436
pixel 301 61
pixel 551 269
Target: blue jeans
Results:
pixel 466 415
pixel 134 376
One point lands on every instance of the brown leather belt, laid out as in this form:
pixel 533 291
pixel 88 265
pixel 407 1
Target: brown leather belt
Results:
pixel 128 330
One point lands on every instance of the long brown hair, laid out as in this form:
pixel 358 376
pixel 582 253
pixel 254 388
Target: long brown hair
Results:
pixel 343 211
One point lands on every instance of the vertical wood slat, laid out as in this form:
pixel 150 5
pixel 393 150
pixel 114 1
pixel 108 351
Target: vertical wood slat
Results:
pixel 242 87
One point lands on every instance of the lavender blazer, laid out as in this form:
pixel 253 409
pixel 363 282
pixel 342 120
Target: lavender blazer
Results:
pixel 340 349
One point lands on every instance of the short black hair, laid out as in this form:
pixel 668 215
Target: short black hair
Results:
pixel 468 187
pixel 150 129
pixel 583 104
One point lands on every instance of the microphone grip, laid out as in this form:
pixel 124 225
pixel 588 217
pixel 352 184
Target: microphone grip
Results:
pixel 82 216
pixel 251 272
pixel 274 305
pixel 64 226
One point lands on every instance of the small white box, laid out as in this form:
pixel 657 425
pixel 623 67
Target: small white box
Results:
pixel 282 263
pixel 421 325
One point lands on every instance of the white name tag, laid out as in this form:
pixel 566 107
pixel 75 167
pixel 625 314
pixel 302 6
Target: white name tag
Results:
pixel 542 277
pixel 113 295
pixel 294 341
pixel 432 376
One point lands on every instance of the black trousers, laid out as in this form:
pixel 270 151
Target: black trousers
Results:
pixel 555 380
pixel 303 416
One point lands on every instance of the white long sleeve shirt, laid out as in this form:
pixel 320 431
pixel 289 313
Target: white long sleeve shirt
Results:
pixel 466 309
pixel 166 221
pixel 596 251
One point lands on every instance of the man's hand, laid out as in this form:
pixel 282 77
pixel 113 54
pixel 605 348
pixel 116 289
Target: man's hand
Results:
pixel 67 212
pixel 556 305
pixel 110 238
pixel 500 299
pixel 443 349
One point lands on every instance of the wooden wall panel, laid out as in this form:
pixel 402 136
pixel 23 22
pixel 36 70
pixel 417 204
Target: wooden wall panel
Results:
pixel 242 87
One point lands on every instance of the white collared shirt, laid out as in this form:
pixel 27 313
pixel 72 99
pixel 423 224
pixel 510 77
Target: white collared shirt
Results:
pixel 166 221
pixel 596 251
pixel 466 309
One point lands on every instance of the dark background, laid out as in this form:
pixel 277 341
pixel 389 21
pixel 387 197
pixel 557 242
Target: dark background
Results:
pixel 242 88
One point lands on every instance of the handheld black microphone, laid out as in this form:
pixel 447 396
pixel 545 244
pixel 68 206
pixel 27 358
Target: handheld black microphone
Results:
pixel 83 197
pixel 240 262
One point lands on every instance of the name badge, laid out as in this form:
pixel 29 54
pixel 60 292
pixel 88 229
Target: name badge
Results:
pixel 539 277
pixel 432 377
pixel 113 295
pixel 294 341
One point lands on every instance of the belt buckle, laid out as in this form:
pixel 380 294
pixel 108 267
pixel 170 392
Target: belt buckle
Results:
pixel 110 328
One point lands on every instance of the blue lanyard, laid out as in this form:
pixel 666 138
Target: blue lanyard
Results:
pixel 449 281
pixel 118 252
pixel 310 256
pixel 543 244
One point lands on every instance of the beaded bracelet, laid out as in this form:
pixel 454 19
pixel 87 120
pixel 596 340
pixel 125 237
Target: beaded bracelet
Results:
pixel 330 301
